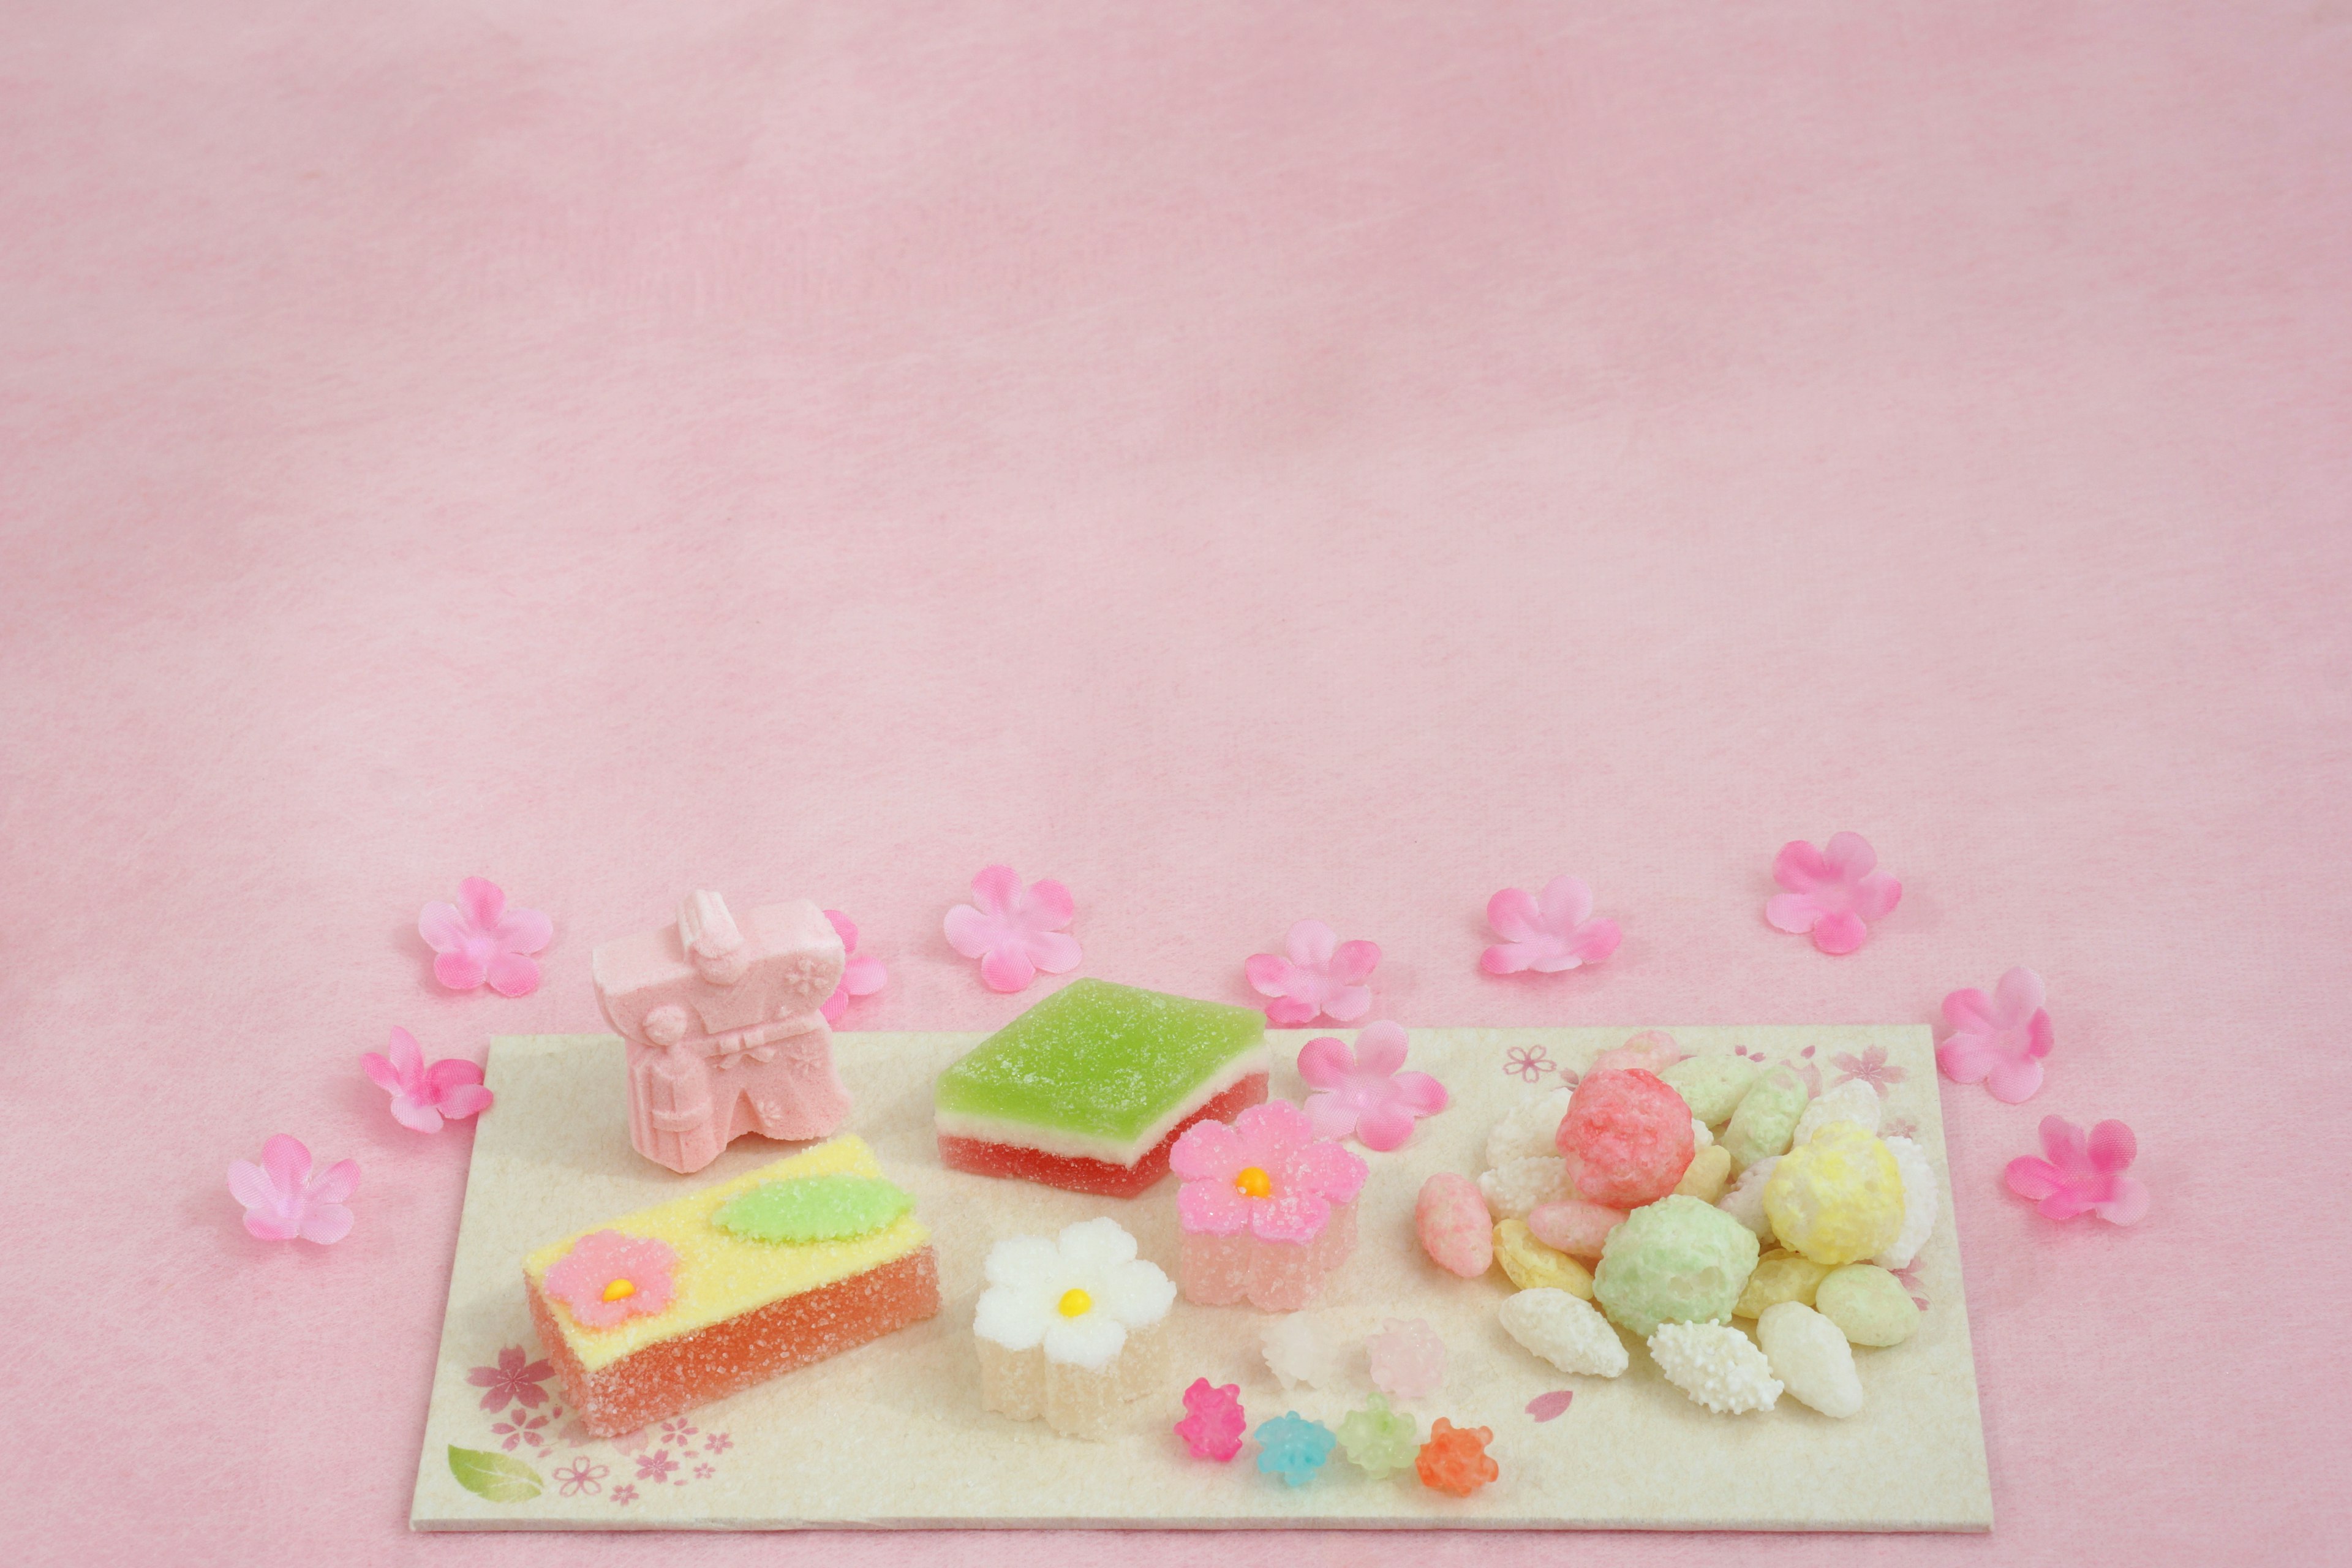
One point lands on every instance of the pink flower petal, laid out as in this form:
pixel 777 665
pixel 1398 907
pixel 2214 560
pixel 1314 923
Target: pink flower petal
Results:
pixel 1840 933
pixel 524 931
pixel 1384 1127
pixel 1513 915
pixel 1310 944
pixel 1208 1150
pixel 482 903
pixel 2111 1147
pixel 1800 867
pixel 1848 856
pixel 250 1185
pixel 2031 1178
pixel 1793 912
pixel 1594 940
pixel 1049 903
pixel 466 1100
pixel 1347 1003
pixel 2013 1079
pixel 1325 1062
pixel 1566 902
pixel 1289 1013
pixel 1509 958
pixel 2063 1142
pixel 1969 1010
pixel 864 977
pixel 1421 1093
pixel 512 975
pixel 1007 968
pixel 288 1163
pixel 844 928
pixel 1966 1058
pixel 1213 1208
pixel 415 1114
pixel 996 890
pixel 2039 1037
pixel 1333 1115
pixel 1056 952
pixel 326 1224
pixel 448 1073
pixel 442 927
pixel 834 1006
pixel 340 1181
pixel 1550 1406
pixel 383 1074
pixel 457 971
pixel 2019 995
pixel 1875 897
pixel 1269 975
pixel 2127 1205
pixel 1353 963
pixel 969 931
pixel 1380 1048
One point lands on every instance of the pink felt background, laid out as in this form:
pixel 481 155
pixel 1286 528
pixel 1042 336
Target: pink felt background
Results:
pixel 1247 460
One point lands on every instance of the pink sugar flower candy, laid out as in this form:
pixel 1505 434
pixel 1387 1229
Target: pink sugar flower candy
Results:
pixel 1213 1422
pixel 2082 1175
pixel 282 1200
pixel 1321 975
pixel 1362 1092
pixel 1832 892
pixel 422 1096
pixel 1550 932
pixel 607 1277
pixel 859 976
pixel 1014 933
pixel 478 939
pixel 1265 1173
pixel 1998 1040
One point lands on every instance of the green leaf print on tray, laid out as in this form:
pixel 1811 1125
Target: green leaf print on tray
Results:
pixel 501 1478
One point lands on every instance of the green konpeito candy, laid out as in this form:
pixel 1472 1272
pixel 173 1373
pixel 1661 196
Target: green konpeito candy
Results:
pixel 1677 1260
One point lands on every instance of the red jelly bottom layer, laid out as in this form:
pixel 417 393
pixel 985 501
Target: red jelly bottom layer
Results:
pixel 984 1158
pixel 673 1375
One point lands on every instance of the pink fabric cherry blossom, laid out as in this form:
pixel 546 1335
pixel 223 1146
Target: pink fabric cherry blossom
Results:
pixel 602 1259
pixel 478 939
pixel 1305 1177
pixel 282 1200
pixel 1832 891
pixel 1014 933
pixel 2082 1175
pixel 1362 1092
pixel 859 976
pixel 421 1095
pixel 2000 1040
pixel 1321 975
pixel 1550 933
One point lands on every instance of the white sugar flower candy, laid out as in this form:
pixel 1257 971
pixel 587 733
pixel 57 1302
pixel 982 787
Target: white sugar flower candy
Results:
pixel 1530 1129
pixel 1518 1189
pixel 1565 1331
pixel 1072 1328
pixel 1745 1202
pixel 1853 1101
pixel 1716 1366
pixel 1921 1201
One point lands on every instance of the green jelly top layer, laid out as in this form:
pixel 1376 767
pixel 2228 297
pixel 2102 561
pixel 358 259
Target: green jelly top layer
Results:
pixel 1101 1059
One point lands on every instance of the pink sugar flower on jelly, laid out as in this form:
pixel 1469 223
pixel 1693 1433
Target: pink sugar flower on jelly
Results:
pixel 1321 975
pixel 2083 1174
pixel 1265 1174
pixel 1998 1040
pixel 607 1277
pixel 282 1200
pixel 1832 892
pixel 1362 1091
pixel 1014 932
pixel 478 939
pixel 1550 933
pixel 859 976
pixel 422 1096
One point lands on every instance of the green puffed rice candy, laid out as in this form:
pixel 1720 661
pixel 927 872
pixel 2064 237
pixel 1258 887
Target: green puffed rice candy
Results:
pixel 1767 1118
pixel 1712 1086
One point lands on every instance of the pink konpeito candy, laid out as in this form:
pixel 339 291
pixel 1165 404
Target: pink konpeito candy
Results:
pixel 1408 1359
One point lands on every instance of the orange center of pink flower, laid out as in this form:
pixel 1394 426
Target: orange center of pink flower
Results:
pixel 620 1290
pixel 1252 1183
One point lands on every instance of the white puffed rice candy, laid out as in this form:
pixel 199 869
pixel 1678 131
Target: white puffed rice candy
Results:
pixel 1528 1132
pixel 1716 1366
pixel 1852 1101
pixel 1515 1190
pixel 1745 1201
pixel 1564 1330
pixel 1811 1357
pixel 1702 1135
pixel 1921 1201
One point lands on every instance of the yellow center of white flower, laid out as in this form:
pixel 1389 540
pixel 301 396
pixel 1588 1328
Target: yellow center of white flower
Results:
pixel 1075 1303
pixel 619 1290
pixel 1254 1183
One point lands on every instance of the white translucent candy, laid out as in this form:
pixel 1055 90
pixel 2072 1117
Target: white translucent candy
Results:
pixel 1565 1331
pixel 1922 1200
pixel 1745 1201
pixel 1715 1365
pixel 1702 1136
pixel 1852 1101
pixel 1530 1129
pixel 1515 1190
pixel 1811 1357
pixel 1301 1348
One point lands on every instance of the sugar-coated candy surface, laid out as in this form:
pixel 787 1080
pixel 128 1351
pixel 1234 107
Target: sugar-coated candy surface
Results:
pixel 1576 1227
pixel 1716 1366
pixel 1869 1305
pixel 1626 1138
pixel 1767 1118
pixel 1080 1174
pixel 1838 1197
pixel 1518 1189
pixel 1097 1072
pixel 1922 1199
pixel 1702 1135
pixel 1267 1211
pixel 1451 1220
pixel 1711 1086
pixel 1565 1331
pixel 1073 1399
pixel 1677 1260
pixel 1707 1174
pixel 1408 1359
pixel 1380 1441
pixel 1530 1265
pixel 1745 1201
pixel 1454 1458
pixel 1213 1422
pixel 1652 1050
pixel 806 1209
pixel 1811 1358
pixel 1527 1132
pixel 1781 1276
pixel 1853 1101
pixel 1301 1348
pixel 1071 1327
pixel 1292 1447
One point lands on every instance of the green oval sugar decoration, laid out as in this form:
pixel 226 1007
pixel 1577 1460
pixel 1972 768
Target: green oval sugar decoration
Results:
pixel 805 1209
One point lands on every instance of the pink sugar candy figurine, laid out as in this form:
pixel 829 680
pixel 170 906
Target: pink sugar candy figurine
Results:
pixel 1267 1211
pixel 724 1028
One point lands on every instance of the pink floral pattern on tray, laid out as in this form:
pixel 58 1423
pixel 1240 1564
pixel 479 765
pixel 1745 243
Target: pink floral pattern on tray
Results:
pixel 538 1445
